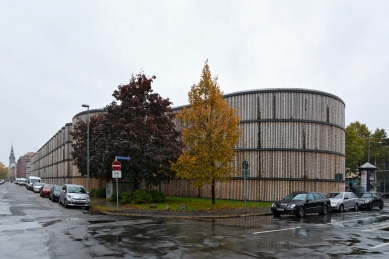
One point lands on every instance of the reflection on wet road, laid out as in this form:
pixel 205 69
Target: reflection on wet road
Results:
pixel 357 234
pixel 34 227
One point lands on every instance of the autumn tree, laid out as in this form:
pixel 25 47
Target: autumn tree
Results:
pixel 138 124
pixel 3 171
pixel 210 131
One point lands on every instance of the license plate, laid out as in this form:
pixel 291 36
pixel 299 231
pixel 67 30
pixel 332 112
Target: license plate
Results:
pixel 279 209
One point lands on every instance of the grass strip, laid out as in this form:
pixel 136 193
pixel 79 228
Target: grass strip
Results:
pixel 174 202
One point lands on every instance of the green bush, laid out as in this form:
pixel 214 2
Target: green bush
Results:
pixel 121 194
pixel 98 193
pixel 157 196
pixel 126 198
pixel 141 196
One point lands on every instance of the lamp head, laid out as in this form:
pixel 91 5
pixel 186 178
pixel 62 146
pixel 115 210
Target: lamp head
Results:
pixel 85 105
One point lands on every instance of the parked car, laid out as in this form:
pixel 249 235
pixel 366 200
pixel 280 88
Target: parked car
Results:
pixel 343 200
pixel 54 192
pixel 301 203
pixel 36 187
pixel 74 195
pixel 368 200
pixel 45 190
pixel 22 181
pixel 30 180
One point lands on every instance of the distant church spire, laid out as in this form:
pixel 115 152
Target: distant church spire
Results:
pixel 12 155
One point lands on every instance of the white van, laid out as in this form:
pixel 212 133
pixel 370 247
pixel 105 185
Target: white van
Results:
pixel 22 181
pixel 31 180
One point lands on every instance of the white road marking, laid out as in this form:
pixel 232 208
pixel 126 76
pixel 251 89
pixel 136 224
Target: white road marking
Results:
pixel 276 230
pixel 384 244
pixel 336 222
pixel 381 227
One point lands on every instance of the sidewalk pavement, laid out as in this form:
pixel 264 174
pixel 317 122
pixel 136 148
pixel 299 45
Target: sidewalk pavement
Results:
pixel 132 212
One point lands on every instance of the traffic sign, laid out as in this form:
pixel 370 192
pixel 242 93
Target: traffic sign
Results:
pixel 116 174
pixel 245 173
pixel 245 165
pixel 123 157
pixel 116 165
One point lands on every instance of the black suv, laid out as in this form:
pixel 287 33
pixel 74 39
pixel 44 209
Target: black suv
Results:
pixel 368 200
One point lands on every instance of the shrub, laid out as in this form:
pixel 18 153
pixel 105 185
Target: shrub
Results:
pixel 126 198
pixel 98 193
pixel 113 196
pixel 157 196
pixel 141 196
pixel 92 192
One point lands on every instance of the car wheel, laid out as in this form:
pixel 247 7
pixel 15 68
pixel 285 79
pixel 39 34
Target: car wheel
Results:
pixel 381 205
pixel 59 201
pixel 370 206
pixel 324 210
pixel 341 208
pixel 65 203
pixel 356 207
pixel 301 212
pixel 276 214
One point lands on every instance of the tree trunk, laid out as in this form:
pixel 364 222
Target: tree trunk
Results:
pixel 213 191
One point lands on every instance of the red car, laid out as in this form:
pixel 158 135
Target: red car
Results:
pixel 45 190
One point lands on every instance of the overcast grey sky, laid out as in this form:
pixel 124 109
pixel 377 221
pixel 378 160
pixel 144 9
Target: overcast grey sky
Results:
pixel 57 55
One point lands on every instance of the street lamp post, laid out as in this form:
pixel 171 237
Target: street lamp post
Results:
pixel 87 149
pixel 368 160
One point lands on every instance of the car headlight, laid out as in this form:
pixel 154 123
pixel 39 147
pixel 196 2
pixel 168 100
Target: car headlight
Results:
pixel 334 203
pixel 70 196
pixel 273 205
pixel 291 206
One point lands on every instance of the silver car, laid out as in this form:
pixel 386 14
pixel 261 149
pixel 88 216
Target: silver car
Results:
pixel 36 187
pixel 343 200
pixel 74 195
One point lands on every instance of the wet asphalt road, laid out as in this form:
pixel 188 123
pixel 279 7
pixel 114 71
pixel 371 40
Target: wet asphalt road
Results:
pixel 35 227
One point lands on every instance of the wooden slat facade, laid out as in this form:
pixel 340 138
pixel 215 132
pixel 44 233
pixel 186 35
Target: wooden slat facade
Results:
pixel 293 139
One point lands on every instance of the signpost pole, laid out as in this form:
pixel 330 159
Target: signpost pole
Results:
pixel 245 167
pixel 245 190
pixel 117 196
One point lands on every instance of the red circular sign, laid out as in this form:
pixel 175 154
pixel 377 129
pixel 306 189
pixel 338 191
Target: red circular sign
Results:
pixel 116 165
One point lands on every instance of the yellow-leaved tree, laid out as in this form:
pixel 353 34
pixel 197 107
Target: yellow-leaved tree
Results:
pixel 3 171
pixel 210 131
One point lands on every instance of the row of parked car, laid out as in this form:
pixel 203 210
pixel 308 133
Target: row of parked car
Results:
pixel 301 203
pixel 69 195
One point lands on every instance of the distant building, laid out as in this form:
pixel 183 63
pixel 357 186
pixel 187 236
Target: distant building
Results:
pixel 12 166
pixel 23 167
